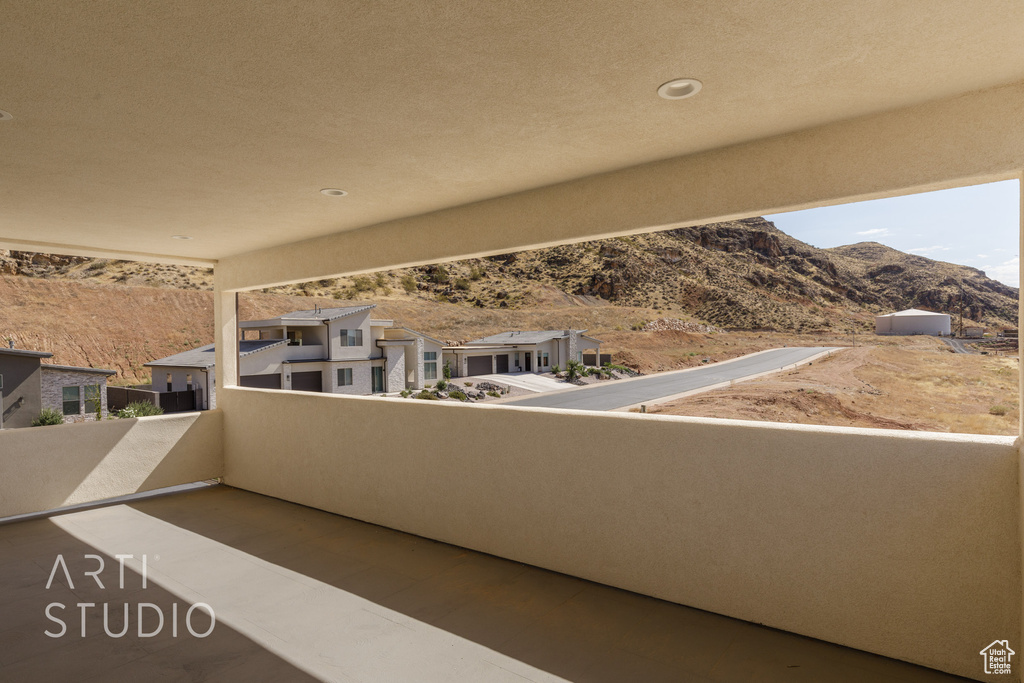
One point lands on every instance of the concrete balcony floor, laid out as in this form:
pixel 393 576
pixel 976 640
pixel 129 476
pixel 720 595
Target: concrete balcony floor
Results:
pixel 301 595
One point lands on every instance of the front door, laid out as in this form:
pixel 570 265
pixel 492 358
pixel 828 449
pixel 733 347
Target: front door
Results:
pixel 528 357
pixel 378 380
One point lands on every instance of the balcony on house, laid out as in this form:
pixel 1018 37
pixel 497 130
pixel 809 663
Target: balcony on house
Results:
pixel 305 352
pixel 361 538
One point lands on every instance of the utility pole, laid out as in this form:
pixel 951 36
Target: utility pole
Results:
pixel 961 335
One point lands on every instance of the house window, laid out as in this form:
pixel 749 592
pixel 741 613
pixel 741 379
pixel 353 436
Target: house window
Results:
pixel 188 382
pixel 546 360
pixel 93 399
pixel 579 357
pixel 170 382
pixel 294 337
pixel 351 337
pixel 430 365
pixel 72 402
pixel 345 377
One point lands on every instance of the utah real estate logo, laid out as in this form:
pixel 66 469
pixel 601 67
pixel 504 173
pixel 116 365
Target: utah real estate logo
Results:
pixel 997 657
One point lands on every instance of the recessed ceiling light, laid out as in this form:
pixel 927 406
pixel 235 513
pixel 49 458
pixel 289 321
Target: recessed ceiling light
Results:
pixel 680 88
pixel 180 237
pixel 4 116
pixel 333 192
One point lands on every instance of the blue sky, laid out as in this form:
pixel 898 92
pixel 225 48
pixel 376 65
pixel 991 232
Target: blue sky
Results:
pixel 973 226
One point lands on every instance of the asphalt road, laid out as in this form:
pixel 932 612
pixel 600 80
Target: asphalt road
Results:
pixel 622 393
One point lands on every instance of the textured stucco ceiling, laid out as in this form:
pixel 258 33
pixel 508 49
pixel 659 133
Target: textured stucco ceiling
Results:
pixel 135 121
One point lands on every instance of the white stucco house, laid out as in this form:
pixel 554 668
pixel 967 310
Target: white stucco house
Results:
pixel 328 350
pixel 913 321
pixel 519 351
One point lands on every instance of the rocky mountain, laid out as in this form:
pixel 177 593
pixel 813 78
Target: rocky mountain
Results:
pixel 744 274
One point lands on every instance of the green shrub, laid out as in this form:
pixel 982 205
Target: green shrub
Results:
pixel 381 280
pixel 495 394
pixel 363 284
pixel 555 370
pixel 462 284
pixel 997 410
pixel 48 416
pixel 406 393
pixel 447 371
pixel 475 273
pixel 426 396
pixel 468 384
pixel 139 409
pixel 455 393
pixel 441 385
pixel 612 366
pixel 638 327
pixel 409 283
pixel 440 276
pixel 574 370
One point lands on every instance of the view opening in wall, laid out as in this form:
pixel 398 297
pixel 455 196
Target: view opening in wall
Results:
pixel 889 321
pixel 902 315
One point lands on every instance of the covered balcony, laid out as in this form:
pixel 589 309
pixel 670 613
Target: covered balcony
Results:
pixel 359 538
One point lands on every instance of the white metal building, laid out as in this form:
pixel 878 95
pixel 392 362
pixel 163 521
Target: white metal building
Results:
pixel 913 321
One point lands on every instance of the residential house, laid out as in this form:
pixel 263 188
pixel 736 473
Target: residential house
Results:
pixel 304 141
pixel 328 350
pixel 517 351
pixel 28 386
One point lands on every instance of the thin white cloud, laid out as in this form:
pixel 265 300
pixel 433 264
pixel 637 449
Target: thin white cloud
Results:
pixel 981 256
pixel 875 231
pixel 1007 272
pixel 927 250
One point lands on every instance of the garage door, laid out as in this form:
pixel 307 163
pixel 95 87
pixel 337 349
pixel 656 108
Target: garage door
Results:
pixel 501 363
pixel 261 381
pixel 480 365
pixel 307 381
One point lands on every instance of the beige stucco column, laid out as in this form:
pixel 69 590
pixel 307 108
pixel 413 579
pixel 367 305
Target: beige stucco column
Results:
pixel 225 334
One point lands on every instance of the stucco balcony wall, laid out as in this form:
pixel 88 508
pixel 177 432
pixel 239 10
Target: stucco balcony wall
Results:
pixel 42 468
pixel 899 543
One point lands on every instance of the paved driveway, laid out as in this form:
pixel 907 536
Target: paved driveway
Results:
pixel 523 380
pixel 622 393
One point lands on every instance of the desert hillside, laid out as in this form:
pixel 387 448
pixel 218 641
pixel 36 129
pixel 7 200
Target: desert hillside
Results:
pixel 743 274
pixel 740 275
pixel 121 327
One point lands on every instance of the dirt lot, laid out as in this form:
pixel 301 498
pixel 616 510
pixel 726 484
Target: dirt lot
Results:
pixel 912 383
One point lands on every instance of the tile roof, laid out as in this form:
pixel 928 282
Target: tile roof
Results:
pixel 325 313
pixel 203 357
pixel 522 337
